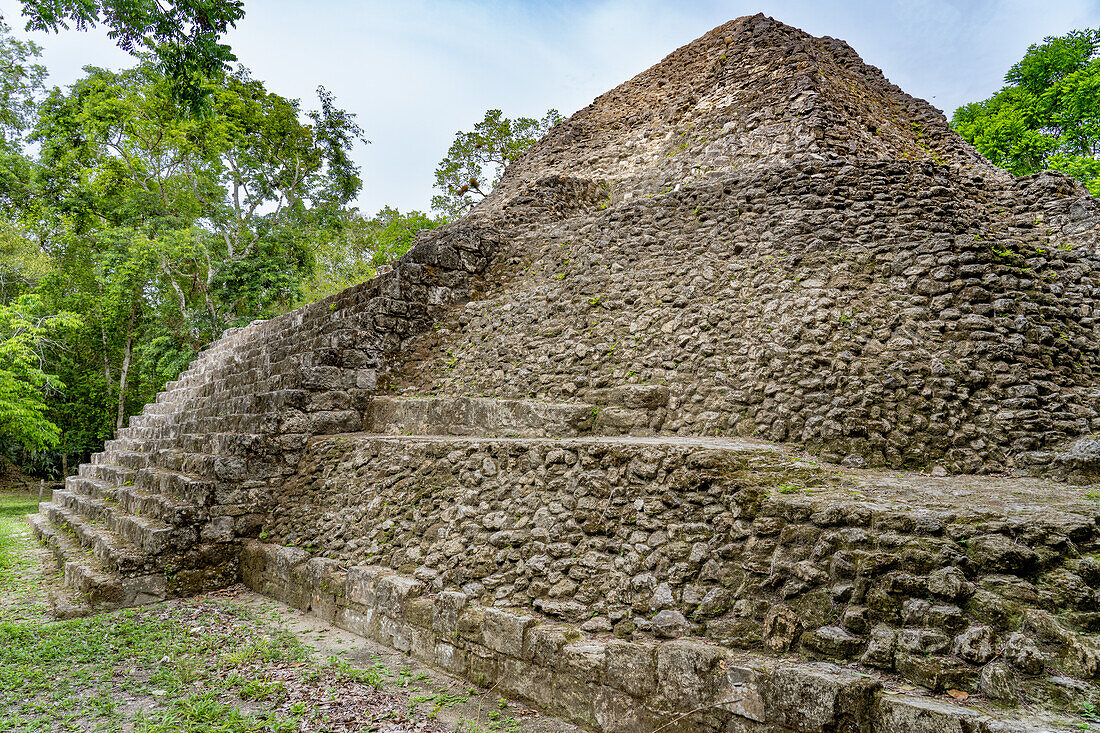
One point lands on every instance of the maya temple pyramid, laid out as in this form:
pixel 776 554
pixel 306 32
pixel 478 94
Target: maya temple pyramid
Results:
pixel 752 399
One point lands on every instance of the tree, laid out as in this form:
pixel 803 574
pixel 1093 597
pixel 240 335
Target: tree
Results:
pixel 1047 117
pixel 164 229
pixel 183 35
pixel 476 159
pixel 24 384
pixel 354 252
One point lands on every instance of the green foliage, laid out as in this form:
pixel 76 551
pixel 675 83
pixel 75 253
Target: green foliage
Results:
pixel 476 159
pixel 23 383
pixel 183 35
pixel 162 229
pixel 354 252
pixel 1047 117
pixel 21 80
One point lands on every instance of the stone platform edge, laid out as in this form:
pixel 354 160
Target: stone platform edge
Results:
pixel 603 684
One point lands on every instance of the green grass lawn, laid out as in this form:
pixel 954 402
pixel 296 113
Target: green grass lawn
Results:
pixel 20 585
pixel 201 665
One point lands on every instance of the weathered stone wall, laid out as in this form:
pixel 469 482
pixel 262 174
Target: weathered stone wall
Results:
pixel 751 93
pixel 740 544
pixel 610 685
pixel 883 313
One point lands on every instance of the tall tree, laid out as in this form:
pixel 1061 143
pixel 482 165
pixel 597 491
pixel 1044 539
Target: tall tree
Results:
pixel 1048 114
pixel 21 78
pixel 164 229
pixel 354 252
pixel 24 384
pixel 476 159
pixel 182 34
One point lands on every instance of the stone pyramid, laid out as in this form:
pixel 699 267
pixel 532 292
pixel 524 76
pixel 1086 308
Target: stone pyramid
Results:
pixel 571 446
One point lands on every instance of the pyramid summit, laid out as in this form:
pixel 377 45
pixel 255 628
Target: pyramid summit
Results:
pixel 751 92
pixel 616 441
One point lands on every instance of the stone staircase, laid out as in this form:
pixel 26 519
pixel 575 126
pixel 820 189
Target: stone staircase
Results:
pixel 135 525
pixel 163 510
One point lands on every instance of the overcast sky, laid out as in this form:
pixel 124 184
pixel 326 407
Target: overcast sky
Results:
pixel 415 72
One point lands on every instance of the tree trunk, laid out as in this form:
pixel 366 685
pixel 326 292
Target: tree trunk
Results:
pixel 126 356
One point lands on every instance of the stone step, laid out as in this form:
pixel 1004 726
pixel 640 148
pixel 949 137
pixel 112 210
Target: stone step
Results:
pixel 112 551
pixel 201 464
pixel 479 416
pixel 112 474
pixel 130 444
pixel 163 481
pixel 124 458
pixel 122 541
pixel 137 501
pixel 174 484
pixel 86 575
pixel 166 432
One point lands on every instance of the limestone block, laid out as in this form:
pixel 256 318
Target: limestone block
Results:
pixel 573 698
pixel 739 691
pixel 688 673
pixel 999 682
pixel 639 396
pixel 617 712
pixel 320 378
pixel 449 658
pixel 419 612
pixel 832 642
pixel 361 583
pixel 937 673
pixel 326 422
pixel 544 642
pixel 286 559
pixel 583 660
pixel 503 631
pixel 471 625
pixel 447 607
pixel 528 681
pixel 482 666
pixel 996 553
pixel 258 563
pixel 393 591
pixel 974 645
pixel 818 697
pixel 922 715
pixel 631 667
pixel 219 529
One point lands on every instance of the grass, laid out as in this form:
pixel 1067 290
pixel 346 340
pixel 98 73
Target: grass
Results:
pixel 190 666
pixel 204 665
pixel 17 564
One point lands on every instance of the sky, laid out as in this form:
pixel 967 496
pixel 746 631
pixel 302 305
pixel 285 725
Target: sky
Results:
pixel 415 72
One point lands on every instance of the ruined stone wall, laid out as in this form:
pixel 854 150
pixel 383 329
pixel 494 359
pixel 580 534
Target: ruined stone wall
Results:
pixel 883 313
pixel 619 685
pixel 746 546
pixel 751 93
